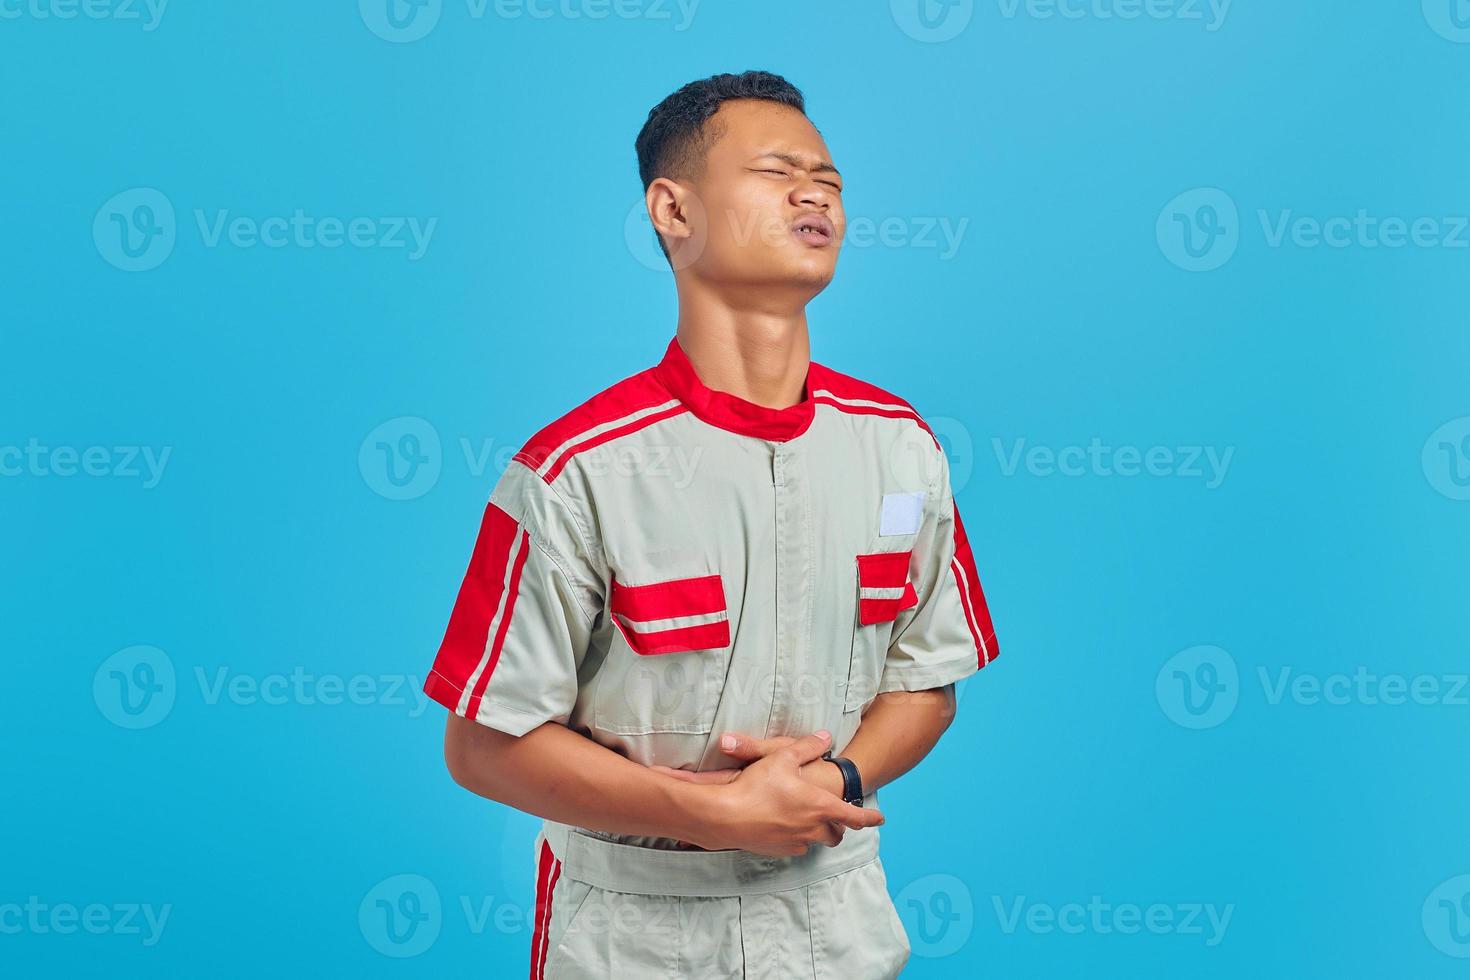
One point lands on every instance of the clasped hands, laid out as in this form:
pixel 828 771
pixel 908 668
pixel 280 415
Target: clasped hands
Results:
pixel 779 800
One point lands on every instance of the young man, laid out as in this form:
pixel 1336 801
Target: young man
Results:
pixel 716 606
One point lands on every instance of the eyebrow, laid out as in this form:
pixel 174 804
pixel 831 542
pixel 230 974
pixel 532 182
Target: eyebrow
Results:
pixel 820 167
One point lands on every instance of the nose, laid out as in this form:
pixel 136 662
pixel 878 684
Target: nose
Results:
pixel 810 194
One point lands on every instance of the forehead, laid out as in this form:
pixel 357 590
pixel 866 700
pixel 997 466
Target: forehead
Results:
pixel 749 127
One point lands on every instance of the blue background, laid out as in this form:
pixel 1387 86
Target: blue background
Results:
pixel 1082 762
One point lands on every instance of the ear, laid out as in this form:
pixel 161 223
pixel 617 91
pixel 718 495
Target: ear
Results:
pixel 669 209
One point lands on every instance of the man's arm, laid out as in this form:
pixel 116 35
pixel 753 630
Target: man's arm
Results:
pixel 899 729
pixel 555 773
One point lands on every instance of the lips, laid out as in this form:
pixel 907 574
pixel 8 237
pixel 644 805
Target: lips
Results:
pixel 815 230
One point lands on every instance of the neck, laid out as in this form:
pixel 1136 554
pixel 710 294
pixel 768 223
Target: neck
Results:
pixel 759 355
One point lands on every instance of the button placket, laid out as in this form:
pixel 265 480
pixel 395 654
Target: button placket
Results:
pixel 791 688
pixel 778 712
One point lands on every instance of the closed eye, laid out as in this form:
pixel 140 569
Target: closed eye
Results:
pixel 830 183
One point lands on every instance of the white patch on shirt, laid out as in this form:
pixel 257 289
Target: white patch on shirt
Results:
pixel 901 513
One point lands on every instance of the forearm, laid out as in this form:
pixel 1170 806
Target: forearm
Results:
pixel 898 730
pixel 555 773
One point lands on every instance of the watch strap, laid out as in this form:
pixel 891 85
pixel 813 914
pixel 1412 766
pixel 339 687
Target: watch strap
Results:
pixel 852 782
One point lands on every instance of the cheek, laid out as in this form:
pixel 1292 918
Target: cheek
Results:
pixel 750 214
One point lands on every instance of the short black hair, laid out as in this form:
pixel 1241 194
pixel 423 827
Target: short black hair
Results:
pixel 673 141
pixel 675 137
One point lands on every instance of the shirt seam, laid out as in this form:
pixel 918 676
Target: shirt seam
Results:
pixel 508 707
pixel 556 560
pixel 921 668
pixel 940 672
pixel 553 555
pixel 448 680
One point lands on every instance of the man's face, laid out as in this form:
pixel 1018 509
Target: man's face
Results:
pixel 769 203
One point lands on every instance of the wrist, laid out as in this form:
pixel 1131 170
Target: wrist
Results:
pixel 850 779
pixel 825 775
pixel 699 813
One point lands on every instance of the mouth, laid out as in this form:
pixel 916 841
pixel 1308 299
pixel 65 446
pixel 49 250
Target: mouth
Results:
pixel 815 230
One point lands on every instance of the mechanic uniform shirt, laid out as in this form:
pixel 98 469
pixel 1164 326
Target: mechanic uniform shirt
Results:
pixel 667 563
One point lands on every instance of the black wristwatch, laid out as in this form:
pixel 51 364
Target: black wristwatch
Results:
pixel 852 783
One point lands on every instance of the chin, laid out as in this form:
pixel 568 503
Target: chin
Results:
pixel 808 265
pixel 817 274
pixel 810 274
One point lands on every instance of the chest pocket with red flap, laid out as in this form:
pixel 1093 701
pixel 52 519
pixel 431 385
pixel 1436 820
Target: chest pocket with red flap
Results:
pixel 668 617
pixel 669 657
pixel 884 589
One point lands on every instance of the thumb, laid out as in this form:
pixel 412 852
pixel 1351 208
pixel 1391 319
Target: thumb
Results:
pixel 809 748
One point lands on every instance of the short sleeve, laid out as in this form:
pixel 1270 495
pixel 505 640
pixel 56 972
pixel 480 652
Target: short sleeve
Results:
pixel 522 621
pixel 947 635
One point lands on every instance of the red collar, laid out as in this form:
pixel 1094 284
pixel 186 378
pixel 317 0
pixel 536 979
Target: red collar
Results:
pixel 727 411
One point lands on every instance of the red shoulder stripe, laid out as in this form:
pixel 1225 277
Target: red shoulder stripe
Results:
pixel 848 394
pixel 640 400
pixel 977 613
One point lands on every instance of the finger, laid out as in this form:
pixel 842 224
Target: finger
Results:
pixel 708 776
pixel 808 748
pixel 715 776
pixel 669 771
pixel 748 748
pixel 856 817
pixel 833 835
